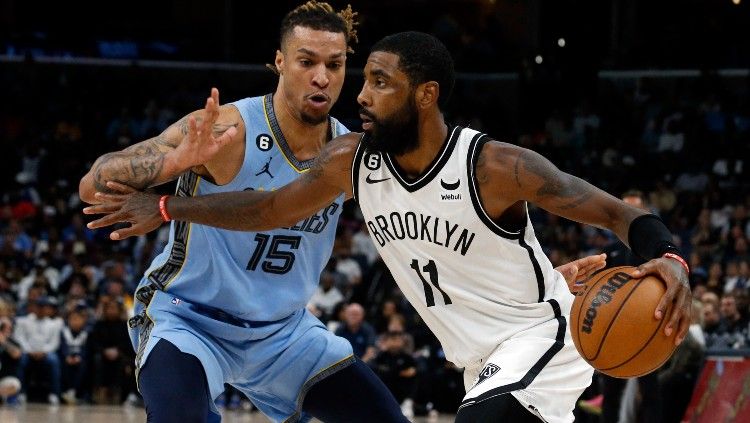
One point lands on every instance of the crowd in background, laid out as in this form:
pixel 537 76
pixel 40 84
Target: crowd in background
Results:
pixel 66 291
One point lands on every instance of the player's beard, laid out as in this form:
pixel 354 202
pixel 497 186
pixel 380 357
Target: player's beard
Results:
pixel 396 134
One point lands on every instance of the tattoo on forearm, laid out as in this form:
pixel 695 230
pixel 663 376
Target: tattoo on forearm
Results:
pixel 571 191
pixel 137 166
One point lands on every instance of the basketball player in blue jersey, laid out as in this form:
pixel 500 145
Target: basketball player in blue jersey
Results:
pixel 447 209
pixel 221 306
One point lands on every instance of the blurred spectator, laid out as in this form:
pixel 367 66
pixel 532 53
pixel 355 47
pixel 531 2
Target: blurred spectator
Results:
pixel 358 332
pixel 112 355
pixel 38 334
pixel 362 245
pixel 10 355
pixel 395 367
pixel 325 298
pixel 74 354
pixel 679 375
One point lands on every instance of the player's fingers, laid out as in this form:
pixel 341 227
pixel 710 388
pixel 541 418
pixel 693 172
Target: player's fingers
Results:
pixel 593 264
pixel 591 260
pixel 676 315
pixel 107 220
pixel 644 269
pixel 576 287
pixel 124 233
pixel 192 128
pixel 686 318
pixel 104 208
pixel 212 114
pixel 215 96
pixel 667 298
pixel 119 187
pixel 227 136
pixel 106 198
pixel 682 326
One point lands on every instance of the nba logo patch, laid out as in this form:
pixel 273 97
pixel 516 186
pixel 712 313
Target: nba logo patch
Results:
pixel 176 301
pixel 486 373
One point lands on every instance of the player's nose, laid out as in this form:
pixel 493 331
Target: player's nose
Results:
pixel 363 99
pixel 320 78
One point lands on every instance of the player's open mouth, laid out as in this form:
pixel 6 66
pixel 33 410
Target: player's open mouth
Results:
pixel 367 122
pixel 318 100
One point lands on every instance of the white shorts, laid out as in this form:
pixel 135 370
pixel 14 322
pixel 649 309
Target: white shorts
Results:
pixel 540 367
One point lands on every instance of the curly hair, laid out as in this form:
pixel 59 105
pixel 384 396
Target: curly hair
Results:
pixel 322 17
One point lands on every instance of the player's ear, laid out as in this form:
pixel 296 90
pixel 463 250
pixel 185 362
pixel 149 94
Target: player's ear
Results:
pixel 279 62
pixel 427 94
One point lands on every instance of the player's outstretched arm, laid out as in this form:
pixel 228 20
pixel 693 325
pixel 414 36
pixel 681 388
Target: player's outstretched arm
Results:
pixel 162 158
pixel 507 174
pixel 329 177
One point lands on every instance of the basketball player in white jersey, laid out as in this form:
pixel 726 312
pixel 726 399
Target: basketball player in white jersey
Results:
pixel 447 208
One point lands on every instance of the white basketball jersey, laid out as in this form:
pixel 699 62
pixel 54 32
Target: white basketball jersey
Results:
pixel 474 284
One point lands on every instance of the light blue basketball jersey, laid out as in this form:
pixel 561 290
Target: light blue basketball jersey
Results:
pixel 258 276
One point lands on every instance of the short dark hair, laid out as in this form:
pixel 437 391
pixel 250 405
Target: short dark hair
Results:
pixel 321 16
pixel 422 58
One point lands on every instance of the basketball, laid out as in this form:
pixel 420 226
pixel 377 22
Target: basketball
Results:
pixel 613 324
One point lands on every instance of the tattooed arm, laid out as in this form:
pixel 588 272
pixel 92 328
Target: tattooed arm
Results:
pixel 155 161
pixel 507 174
pixel 329 177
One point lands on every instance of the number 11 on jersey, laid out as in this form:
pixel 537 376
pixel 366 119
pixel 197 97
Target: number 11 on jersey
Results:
pixel 431 270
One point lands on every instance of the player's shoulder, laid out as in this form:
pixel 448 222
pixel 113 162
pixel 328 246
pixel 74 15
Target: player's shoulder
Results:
pixel 498 155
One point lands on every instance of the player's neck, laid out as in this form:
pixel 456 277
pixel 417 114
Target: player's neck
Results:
pixel 304 139
pixel 432 136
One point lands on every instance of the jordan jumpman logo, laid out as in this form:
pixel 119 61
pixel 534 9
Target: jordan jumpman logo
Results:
pixel 265 168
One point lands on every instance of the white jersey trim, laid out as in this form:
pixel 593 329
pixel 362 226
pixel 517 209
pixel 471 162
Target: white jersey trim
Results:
pixel 476 144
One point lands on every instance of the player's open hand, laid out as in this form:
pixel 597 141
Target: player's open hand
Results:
pixel 579 270
pixel 204 137
pixel 678 293
pixel 126 205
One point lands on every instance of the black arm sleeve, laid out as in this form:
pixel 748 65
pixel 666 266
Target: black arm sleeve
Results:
pixel 649 238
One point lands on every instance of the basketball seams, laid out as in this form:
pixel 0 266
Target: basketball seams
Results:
pixel 645 345
pixel 613 319
pixel 605 274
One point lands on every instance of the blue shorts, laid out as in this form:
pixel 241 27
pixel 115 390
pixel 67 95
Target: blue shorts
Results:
pixel 273 363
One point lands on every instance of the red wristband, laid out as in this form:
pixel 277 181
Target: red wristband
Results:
pixel 163 208
pixel 680 259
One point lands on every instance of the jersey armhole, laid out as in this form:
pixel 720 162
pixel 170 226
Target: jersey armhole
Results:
pixel 475 147
pixel 358 153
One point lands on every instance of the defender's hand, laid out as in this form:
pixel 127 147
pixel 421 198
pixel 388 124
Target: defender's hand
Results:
pixel 139 209
pixel 579 270
pixel 203 138
pixel 678 292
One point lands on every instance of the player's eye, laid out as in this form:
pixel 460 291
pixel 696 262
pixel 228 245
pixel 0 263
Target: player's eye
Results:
pixel 305 62
pixel 335 65
pixel 380 83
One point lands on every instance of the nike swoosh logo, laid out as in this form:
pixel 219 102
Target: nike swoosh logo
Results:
pixel 374 181
pixel 450 187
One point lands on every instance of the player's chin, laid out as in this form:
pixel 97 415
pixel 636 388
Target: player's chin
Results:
pixel 314 117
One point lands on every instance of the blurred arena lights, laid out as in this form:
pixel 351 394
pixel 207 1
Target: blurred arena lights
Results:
pixel 561 42
pixel 538 59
